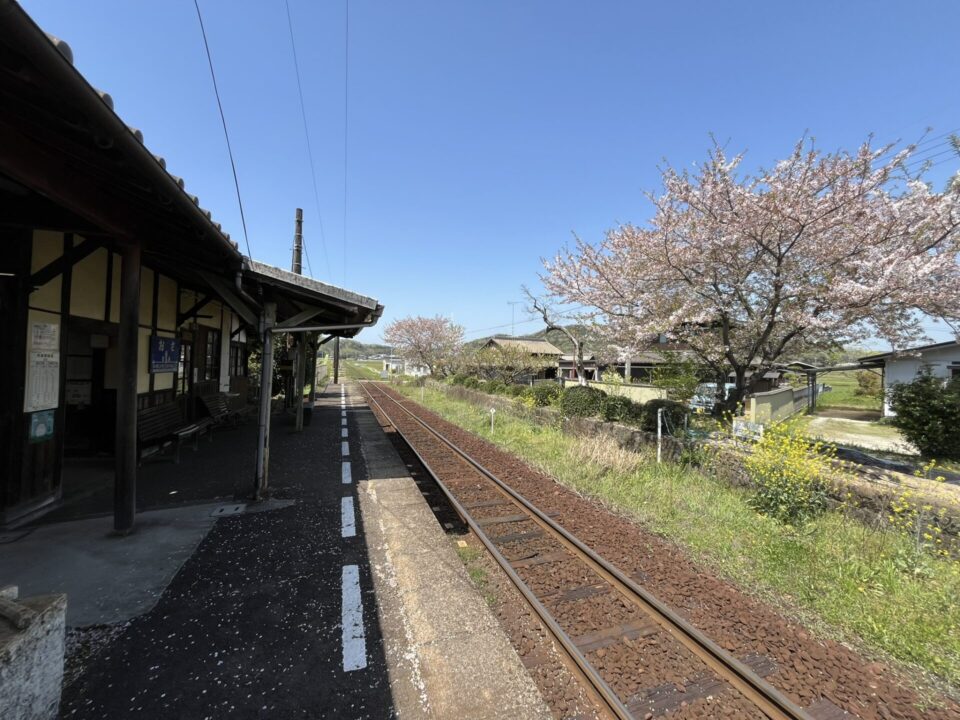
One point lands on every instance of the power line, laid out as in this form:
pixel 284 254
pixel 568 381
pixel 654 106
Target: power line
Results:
pixel 346 109
pixel 565 314
pixel 223 119
pixel 306 132
pixel 306 255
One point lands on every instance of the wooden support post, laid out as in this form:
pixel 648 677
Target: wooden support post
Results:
pixel 301 374
pixel 125 482
pixel 336 360
pixel 267 320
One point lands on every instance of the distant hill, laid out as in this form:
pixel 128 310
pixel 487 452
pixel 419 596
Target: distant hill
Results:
pixel 352 349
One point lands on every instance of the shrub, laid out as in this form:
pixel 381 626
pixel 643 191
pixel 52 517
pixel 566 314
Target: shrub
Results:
pixel 790 474
pixel 495 387
pixel 545 394
pixel 674 414
pixel 581 401
pixel 616 408
pixel 869 384
pixel 515 390
pixel 928 415
pixel 612 377
pixel 459 379
pixel 471 383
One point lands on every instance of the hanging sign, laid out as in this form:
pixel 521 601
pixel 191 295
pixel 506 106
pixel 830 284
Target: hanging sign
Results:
pixel 164 354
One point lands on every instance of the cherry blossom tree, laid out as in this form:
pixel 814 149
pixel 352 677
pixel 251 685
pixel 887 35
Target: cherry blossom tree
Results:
pixel 432 342
pixel 821 249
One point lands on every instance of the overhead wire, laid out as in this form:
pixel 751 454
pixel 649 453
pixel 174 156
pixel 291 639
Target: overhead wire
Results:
pixel 346 114
pixel 566 314
pixel 306 132
pixel 223 119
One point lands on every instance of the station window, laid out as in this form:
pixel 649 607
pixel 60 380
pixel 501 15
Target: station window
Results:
pixel 185 368
pixel 211 370
pixel 238 359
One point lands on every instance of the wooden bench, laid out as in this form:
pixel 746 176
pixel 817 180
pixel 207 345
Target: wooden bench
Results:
pixel 218 410
pixel 162 424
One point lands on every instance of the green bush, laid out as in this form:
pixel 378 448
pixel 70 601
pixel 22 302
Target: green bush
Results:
pixel 459 379
pixel 869 384
pixel 516 390
pixel 928 415
pixel 471 383
pixel 616 408
pixel 545 394
pixel 581 401
pixel 495 387
pixel 674 414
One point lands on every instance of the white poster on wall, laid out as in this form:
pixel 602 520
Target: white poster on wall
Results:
pixel 45 336
pixel 43 381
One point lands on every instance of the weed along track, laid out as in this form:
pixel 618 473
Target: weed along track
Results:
pixel 636 656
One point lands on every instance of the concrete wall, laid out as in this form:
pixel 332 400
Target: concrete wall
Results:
pixel 773 405
pixel 637 393
pixel 31 659
pixel 939 361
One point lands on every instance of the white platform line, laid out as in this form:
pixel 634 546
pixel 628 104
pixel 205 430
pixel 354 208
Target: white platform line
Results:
pixel 345 473
pixel 343 432
pixel 343 420
pixel 348 521
pixel 343 413
pixel 351 618
pixel 344 448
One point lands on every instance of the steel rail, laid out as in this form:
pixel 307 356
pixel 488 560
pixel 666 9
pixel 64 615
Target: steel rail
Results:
pixel 773 703
pixel 602 694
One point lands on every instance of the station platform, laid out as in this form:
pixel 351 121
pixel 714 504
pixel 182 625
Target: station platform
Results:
pixel 341 597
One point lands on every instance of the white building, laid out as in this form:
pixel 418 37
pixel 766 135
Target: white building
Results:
pixel 398 366
pixel 942 360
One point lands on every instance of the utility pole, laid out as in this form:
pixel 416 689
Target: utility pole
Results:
pixel 298 243
pixel 513 309
pixel 336 360
pixel 301 337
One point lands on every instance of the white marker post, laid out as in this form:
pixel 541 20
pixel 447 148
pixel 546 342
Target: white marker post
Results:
pixel 659 433
pixel 493 412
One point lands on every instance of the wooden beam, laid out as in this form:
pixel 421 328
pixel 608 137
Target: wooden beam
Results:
pixel 300 317
pixel 70 258
pixel 195 310
pixel 232 299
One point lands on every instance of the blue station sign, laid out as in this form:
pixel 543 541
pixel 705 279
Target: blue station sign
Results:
pixel 164 354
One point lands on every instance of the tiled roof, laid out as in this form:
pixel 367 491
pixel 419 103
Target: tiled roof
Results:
pixel 64 49
pixel 534 347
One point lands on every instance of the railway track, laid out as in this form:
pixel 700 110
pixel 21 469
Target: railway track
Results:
pixel 606 623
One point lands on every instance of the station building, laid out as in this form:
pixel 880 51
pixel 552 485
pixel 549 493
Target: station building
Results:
pixel 118 292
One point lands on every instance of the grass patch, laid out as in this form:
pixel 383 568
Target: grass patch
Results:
pixel 361 369
pixel 859 581
pixel 843 394
pixel 470 557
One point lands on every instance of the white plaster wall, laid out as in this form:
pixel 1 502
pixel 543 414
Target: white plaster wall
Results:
pixel 905 369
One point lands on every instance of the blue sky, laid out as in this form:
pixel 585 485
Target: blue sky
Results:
pixel 483 134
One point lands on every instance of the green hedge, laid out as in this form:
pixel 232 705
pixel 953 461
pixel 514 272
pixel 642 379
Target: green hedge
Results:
pixel 674 414
pixel 617 408
pixel 581 401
